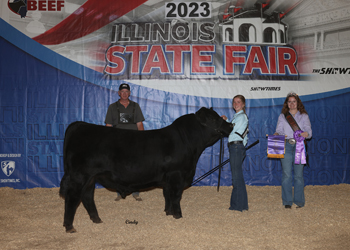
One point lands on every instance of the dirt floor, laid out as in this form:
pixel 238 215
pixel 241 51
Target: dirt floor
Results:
pixel 33 218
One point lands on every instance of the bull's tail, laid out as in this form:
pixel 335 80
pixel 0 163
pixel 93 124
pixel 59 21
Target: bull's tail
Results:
pixel 64 185
pixel 68 134
pixel 65 143
pixel 66 177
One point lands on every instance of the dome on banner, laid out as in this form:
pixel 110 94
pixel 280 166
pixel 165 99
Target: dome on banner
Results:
pixel 252 25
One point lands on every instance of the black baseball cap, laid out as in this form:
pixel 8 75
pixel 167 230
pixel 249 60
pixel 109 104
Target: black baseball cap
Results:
pixel 124 86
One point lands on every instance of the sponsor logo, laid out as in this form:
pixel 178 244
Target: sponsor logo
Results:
pixel 265 89
pixel 21 7
pixel 10 180
pixel 10 155
pixel 184 49
pixel 8 167
pixel 331 71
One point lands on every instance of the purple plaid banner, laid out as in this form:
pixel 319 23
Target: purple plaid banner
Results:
pixel 275 146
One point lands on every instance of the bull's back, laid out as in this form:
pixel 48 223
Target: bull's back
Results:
pixel 85 143
pixel 90 148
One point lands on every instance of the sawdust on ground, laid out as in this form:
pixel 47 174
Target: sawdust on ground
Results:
pixel 33 219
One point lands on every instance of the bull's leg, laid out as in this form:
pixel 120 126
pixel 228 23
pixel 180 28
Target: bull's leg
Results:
pixel 176 187
pixel 168 209
pixel 175 203
pixel 72 200
pixel 89 203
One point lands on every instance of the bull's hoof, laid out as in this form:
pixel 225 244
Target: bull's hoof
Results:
pixel 177 216
pixel 70 229
pixel 96 220
pixel 168 212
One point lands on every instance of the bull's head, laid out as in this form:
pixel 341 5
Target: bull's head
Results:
pixel 211 119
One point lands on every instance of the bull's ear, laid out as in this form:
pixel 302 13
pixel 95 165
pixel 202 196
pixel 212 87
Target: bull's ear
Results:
pixel 211 108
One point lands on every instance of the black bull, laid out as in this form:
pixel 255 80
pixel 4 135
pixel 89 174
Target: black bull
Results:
pixel 130 160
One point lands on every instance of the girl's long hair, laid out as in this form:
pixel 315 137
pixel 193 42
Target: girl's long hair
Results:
pixel 300 105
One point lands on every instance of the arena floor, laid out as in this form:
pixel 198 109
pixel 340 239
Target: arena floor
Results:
pixel 33 218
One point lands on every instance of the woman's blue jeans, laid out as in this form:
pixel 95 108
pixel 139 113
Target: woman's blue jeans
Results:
pixel 239 197
pixel 287 178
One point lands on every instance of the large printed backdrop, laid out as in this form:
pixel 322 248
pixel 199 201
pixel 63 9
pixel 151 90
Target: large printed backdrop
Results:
pixel 62 61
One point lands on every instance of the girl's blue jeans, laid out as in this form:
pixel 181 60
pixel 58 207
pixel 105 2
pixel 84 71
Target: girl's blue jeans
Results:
pixel 239 197
pixel 288 166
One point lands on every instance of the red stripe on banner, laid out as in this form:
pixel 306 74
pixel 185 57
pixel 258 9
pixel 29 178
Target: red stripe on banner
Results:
pixel 91 16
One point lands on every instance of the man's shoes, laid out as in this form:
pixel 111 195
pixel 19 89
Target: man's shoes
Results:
pixel 118 198
pixel 137 197
pixel 287 206
pixel 299 207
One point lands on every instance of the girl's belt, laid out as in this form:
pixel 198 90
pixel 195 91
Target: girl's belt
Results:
pixel 235 142
pixel 291 141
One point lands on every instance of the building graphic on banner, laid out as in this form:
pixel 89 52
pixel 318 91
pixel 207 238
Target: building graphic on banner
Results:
pixel 253 26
